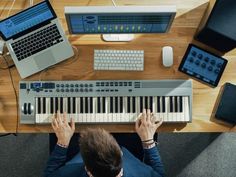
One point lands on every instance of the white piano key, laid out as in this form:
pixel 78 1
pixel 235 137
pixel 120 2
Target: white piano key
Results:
pixel 186 108
pixel 37 116
pixel 167 109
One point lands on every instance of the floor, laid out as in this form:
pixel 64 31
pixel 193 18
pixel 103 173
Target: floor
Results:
pixel 183 154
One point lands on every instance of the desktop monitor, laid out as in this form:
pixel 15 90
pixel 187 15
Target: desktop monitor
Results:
pixel 119 23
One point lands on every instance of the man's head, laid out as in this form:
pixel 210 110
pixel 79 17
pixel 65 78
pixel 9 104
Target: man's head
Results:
pixel 101 154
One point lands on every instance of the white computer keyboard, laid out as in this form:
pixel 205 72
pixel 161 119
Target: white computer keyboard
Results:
pixel 124 60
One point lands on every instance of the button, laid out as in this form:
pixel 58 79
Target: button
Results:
pixel 111 83
pixel 200 56
pixel 206 59
pixel 191 59
pixel 213 62
pixel 125 83
pixel 86 85
pixel 62 85
pixel 76 90
pixel 203 65
pixel 97 90
pixel 67 85
pixel 86 90
pixel 102 84
pixel 107 83
pixel 219 65
pixel 62 90
pixel 97 84
pixel 90 85
pixel 45 90
pixel 76 85
pixel 197 62
pixel 71 85
pixel 107 90
pixel 130 83
pixel 217 71
pixel 81 90
pixel 81 85
pixel 58 85
pixel 71 90
pixel 116 83
pixel 90 90
pixel 67 90
pixel 210 68
pixel 102 90
pixel 193 53
pixel 120 83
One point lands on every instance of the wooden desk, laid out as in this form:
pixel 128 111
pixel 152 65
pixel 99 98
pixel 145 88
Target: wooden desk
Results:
pixel 181 34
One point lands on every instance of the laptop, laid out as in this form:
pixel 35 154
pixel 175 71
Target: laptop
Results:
pixel 35 39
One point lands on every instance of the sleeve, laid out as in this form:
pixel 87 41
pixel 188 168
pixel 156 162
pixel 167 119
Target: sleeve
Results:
pixel 56 160
pixel 153 159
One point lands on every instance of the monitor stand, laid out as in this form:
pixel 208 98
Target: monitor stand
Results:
pixel 118 37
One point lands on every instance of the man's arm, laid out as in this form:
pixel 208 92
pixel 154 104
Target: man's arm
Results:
pixel 153 159
pixel 64 132
pixel 146 127
pixel 56 160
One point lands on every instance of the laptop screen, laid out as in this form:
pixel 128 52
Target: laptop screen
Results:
pixel 26 21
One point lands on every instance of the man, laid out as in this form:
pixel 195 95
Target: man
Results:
pixel 100 155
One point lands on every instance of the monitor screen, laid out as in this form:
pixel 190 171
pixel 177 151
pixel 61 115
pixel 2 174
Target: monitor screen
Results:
pixel 26 19
pixel 132 21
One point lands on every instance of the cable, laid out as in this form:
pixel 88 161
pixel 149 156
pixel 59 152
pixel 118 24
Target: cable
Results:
pixel 16 97
pixel 4 68
pixel 11 8
pixel 74 58
pixel 114 3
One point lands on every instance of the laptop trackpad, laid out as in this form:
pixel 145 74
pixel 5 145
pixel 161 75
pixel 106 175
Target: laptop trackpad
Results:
pixel 44 60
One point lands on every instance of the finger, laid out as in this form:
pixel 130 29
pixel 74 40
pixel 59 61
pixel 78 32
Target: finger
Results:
pixel 72 123
pixel 144 115
pixel 64 117
pixel 137 123
pixel 54 122
pixel 153 118
pixel 148 115
pixel 59 120
pixel 159 123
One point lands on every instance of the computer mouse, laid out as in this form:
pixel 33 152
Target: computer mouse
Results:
pixel 167 56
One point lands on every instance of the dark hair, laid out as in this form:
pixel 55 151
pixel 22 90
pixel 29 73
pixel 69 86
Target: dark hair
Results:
pixel 100 152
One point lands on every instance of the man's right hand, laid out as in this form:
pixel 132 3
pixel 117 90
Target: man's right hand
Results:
pixel 146 125
pixel 63 130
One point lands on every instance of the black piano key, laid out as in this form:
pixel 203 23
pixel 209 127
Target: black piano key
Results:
pixel 111 104
pixel 44 105
pixel 73 105
pixel 121 104
pixel 141 104
pixel 181 103
pixel 68 105
pixel 56 104
pixel 134 104
pixel 39 105
pixel 51 106
pixel 81 105
pixel 103 104
pixel 116 104
pixel 91 104
pixel 99 105
pixel 150 103
pixel 176 104
pixel 171 104
pixel 86 105
pixel 158 104
pixel 128 104
pixel 61 105
pixel 163 104
pixel 146 102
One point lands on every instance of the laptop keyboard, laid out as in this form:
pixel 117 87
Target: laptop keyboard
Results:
pixel 37 42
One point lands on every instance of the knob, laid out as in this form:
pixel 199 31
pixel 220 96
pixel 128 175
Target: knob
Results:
pixel 30 108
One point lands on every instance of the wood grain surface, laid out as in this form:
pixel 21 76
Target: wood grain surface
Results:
pixel 189 14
